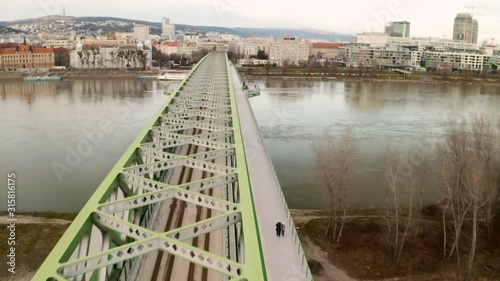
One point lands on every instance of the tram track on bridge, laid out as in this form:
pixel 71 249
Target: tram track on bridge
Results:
pixel 174 212
pixel 176 219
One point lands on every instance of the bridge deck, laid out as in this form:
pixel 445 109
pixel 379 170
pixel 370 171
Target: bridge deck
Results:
pixel 180 203
pixel 283 256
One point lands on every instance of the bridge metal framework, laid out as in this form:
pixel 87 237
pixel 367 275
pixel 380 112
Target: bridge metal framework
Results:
pixel 114 230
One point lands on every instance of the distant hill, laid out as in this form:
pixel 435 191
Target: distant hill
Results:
pixel 5 29
pixel 278 32
pixel 241 31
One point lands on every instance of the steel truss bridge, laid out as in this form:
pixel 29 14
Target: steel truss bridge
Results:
pixel 188 200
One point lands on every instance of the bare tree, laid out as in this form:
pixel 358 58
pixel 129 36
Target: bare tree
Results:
pixel 268 67
pixel 445 70
pixel 470 183
pixel 311 65
pixel 486 71
pixel 467 72
pixel 391 199
pixel 334 169
pixel 401 188
pixel 476 182
pixel 375 65
pixel 286 66
pixel 454 158
pixel 485 147
pixel 361 67
pixel 333 67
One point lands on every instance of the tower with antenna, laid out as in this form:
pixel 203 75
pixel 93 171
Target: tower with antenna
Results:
pixel 64 11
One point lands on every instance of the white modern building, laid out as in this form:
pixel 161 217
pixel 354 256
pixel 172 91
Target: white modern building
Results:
pixel 191 36
pixel 250 46
pixel 167 29
pixel 391 56
pixel 420 43
pixel 122 57
pixel 229 37
pixel 211 45
pixel 141 32
pixel 358 55
pixel 60 43
pixel 289 49
pixel 454 60
pixel 187 49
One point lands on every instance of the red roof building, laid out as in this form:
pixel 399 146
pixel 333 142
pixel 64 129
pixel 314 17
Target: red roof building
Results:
pixel 326 50
pixel 24 56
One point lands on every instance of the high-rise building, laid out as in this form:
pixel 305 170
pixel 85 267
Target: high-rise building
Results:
pixel 141 32
pixel 466 28
pixel 167 29
pixel 398 29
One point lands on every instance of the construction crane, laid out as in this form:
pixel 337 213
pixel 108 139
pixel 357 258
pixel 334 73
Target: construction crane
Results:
pixel 472 10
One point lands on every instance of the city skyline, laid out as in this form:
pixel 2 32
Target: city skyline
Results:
pixel 346 18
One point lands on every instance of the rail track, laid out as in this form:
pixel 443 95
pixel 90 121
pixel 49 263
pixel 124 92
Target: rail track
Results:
pixel 165 263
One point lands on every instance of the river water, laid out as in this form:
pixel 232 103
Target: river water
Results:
pixel 42 124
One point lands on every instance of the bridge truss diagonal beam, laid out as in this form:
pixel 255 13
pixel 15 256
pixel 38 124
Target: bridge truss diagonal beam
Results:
pixel 116 228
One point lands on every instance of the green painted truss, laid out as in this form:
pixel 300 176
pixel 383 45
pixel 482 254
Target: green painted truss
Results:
pixel 114 230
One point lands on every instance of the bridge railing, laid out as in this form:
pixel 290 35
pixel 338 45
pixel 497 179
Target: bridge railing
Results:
pixel 291 224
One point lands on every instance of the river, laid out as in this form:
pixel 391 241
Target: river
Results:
pixel 42 123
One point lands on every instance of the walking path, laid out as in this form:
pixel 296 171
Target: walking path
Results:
pixel 284 258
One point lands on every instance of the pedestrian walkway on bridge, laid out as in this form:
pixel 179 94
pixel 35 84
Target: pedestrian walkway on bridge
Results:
pixel 284 256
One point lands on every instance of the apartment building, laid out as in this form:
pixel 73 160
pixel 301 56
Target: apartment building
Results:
pixel 289 49
pixel 169 48
pixel 419 43
pixel 125 56
pixel 377 56
pixel 454 60
pixel 25 56
pixel 91 41
pixel 250 46
pixel 211 45
pixel 326 50
pixel 60 43
pixel 187 49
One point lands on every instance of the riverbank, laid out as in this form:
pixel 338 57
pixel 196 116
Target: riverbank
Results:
pixel 36 235
pixel 360 256
pixel 363 252
pixel 424 78
pixel 84 74
pixel 375 78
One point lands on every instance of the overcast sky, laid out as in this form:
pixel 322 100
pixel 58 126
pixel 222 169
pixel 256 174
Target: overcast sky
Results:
pixel 427 17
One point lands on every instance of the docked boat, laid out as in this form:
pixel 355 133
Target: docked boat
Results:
pixel 44 78
pixel 173 75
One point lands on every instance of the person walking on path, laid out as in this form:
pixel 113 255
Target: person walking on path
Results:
pixel 278 228
pixel 283 230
